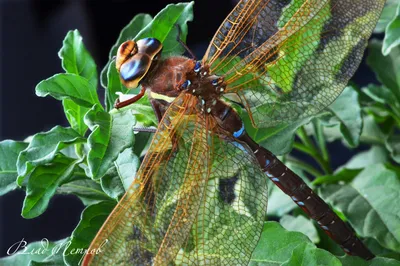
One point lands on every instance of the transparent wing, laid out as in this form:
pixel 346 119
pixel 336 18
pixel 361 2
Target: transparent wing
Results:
pixel 194 191
pixel 289 59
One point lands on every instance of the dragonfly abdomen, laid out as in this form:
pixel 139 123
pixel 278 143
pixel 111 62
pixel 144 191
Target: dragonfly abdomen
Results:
pixel 292 185
pixel 315 207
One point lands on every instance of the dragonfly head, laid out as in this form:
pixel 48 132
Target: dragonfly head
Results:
pixel 134 59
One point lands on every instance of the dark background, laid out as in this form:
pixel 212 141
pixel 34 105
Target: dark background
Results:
pixel 31 36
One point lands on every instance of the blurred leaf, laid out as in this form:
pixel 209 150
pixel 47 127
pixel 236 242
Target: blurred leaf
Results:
pixel 43 182
pixel 345 175
pixel 276 245
pixel 388 13
pixel 378 261
pixel 368 202
pixel 43 148
pixel 392 34
pixel 76 59
pixel 92 219
pixel 300 224
pixel 393 146
pixel 9 151
pixel 375 155
pixel 110 136
pixel 87 190
pixel 119 177
pixel 347 111
pixel 35 253
pixel 372 133
pixel 69 86
pixel 387 68
pixel 382 95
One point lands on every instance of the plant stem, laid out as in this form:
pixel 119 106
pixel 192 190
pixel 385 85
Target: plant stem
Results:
pixel 309 148
pixel 319 133
pixel 305 167
pixel 305 138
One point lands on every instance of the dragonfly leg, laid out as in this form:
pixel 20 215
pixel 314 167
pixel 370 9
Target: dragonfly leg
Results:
pixel 145 129
pixel 130 101
pixel 178 38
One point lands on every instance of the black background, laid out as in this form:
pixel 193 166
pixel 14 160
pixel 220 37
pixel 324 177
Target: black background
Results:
pixel 31 36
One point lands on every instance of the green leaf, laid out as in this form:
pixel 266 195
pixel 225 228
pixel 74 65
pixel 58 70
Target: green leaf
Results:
pixel 387 68
pixel 388 13
pixel 43 148
pixel 92 219
pixel 130 31
pixel 375 155
pixel 393 146
pixel 144 112
pixel 76 59
pixel 368 202
pixel 392 34
pixel 372 133
pixel 300 224
pixel 347 111
pixel 280 247
pixel 111 183
pixel 163 27
pixel 383 96
pixel 43 182
pixel 110 136
pixel 119 178
pixel 9 151
pixel 353 260
pixel 279 139
pixel 307 254
pixel 87 190
pixel 69 86
pixel 36 253
pixel 114 85
pixel 75 114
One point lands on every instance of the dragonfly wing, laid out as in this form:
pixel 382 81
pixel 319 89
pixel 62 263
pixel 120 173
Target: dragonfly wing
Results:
pixel 231 215
pixel 198 199
pixel 287 60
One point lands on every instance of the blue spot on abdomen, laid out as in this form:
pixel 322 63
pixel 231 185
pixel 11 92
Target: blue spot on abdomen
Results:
pixel 240 132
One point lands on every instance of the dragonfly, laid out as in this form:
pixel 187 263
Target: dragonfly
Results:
pixel 200 195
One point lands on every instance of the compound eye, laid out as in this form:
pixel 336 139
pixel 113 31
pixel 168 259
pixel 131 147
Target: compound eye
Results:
pixel 133 70
pixel 150 46
pixel 125 51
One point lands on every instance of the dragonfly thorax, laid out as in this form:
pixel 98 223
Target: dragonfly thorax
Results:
pixel 207 87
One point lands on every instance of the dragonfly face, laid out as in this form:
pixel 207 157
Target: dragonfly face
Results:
pixel 134 60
